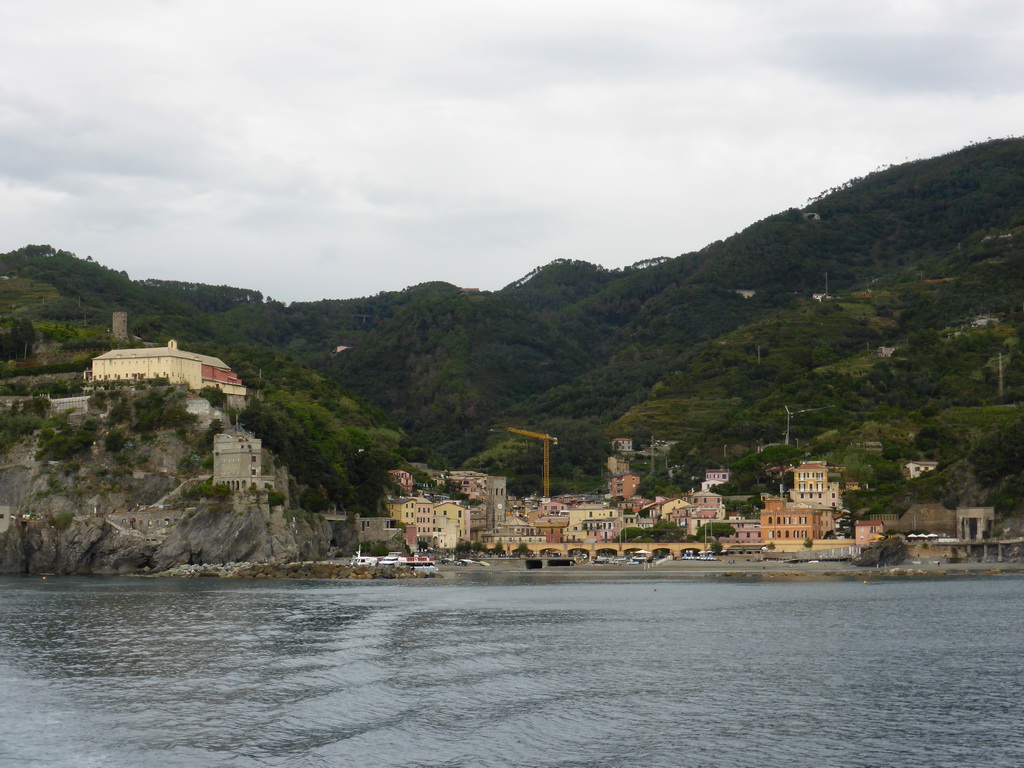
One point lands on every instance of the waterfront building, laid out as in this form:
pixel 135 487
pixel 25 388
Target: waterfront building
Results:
pixel 785 522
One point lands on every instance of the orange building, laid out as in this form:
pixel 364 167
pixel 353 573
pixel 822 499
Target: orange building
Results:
pixel 780 520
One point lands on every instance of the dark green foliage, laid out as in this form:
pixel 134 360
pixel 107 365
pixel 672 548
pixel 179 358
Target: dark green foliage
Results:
pixel 714 530
pixel 17 424
pixel 59 439
pixel 62 521
pixel 160 408
pixel 114 441
pixel 17 339
pixel 214 396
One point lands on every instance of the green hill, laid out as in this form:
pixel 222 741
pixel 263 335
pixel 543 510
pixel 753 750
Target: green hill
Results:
pixel 708 349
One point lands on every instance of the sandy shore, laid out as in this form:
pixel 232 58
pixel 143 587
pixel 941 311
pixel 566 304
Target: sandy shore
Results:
pixel 742 568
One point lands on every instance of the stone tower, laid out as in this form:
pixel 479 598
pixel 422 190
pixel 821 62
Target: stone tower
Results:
pixel 119 326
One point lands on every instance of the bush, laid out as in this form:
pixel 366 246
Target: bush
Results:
pixel 62 521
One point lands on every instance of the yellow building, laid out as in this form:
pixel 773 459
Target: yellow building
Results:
pixel 591 521
pixel 812 487
pixel 437 526
pixel 176 365
pixel 453 518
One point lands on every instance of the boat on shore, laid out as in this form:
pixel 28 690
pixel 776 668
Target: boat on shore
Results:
pixel 397 560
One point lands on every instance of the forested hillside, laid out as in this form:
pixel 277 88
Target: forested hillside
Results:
pixel 708 349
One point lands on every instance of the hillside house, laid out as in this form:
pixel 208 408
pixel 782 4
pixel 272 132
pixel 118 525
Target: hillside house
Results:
pixel 624 444
pixel 914 469
pixel 713 477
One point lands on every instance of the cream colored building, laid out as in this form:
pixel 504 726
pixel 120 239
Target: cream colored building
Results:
pixel 176 365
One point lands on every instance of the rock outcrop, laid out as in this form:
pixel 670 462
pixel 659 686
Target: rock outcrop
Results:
pixel 887 552
pixel 241 530
pixel 238 530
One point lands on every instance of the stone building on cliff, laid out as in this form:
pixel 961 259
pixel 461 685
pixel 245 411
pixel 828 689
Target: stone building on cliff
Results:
pixel 238 462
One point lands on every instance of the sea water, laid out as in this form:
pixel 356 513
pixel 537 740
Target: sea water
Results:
pixel 527 669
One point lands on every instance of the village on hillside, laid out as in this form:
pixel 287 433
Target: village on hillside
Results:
pixel 471 510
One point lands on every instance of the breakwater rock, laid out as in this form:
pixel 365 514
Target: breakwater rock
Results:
pixel 297 570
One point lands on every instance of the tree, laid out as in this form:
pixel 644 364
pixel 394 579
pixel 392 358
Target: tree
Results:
pixel 523 549
pixel 715 530
pixel 808 544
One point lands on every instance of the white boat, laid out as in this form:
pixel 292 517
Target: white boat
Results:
pixel 398 560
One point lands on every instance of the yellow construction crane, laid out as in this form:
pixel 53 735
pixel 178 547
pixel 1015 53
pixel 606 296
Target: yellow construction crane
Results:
pixel 548 442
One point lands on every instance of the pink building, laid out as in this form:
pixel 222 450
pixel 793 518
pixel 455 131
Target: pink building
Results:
pixel 713 477
pixel 748 533
pixel 866 531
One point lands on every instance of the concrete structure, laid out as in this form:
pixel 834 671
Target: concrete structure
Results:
pixel 373 529
pixel 238 462
pixel 5 517
pixel 622 444
pixel 930 518
pixel 708 504
pixel 78 403
pixel 177 366
pixel 552 527
pixel 119 326
pixel 975 523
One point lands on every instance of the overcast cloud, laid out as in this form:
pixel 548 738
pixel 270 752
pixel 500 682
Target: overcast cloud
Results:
pixel 317 149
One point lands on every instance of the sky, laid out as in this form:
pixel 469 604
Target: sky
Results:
pixel 329 149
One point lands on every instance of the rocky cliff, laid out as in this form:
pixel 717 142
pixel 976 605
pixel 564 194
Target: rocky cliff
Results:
pixel 236 530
